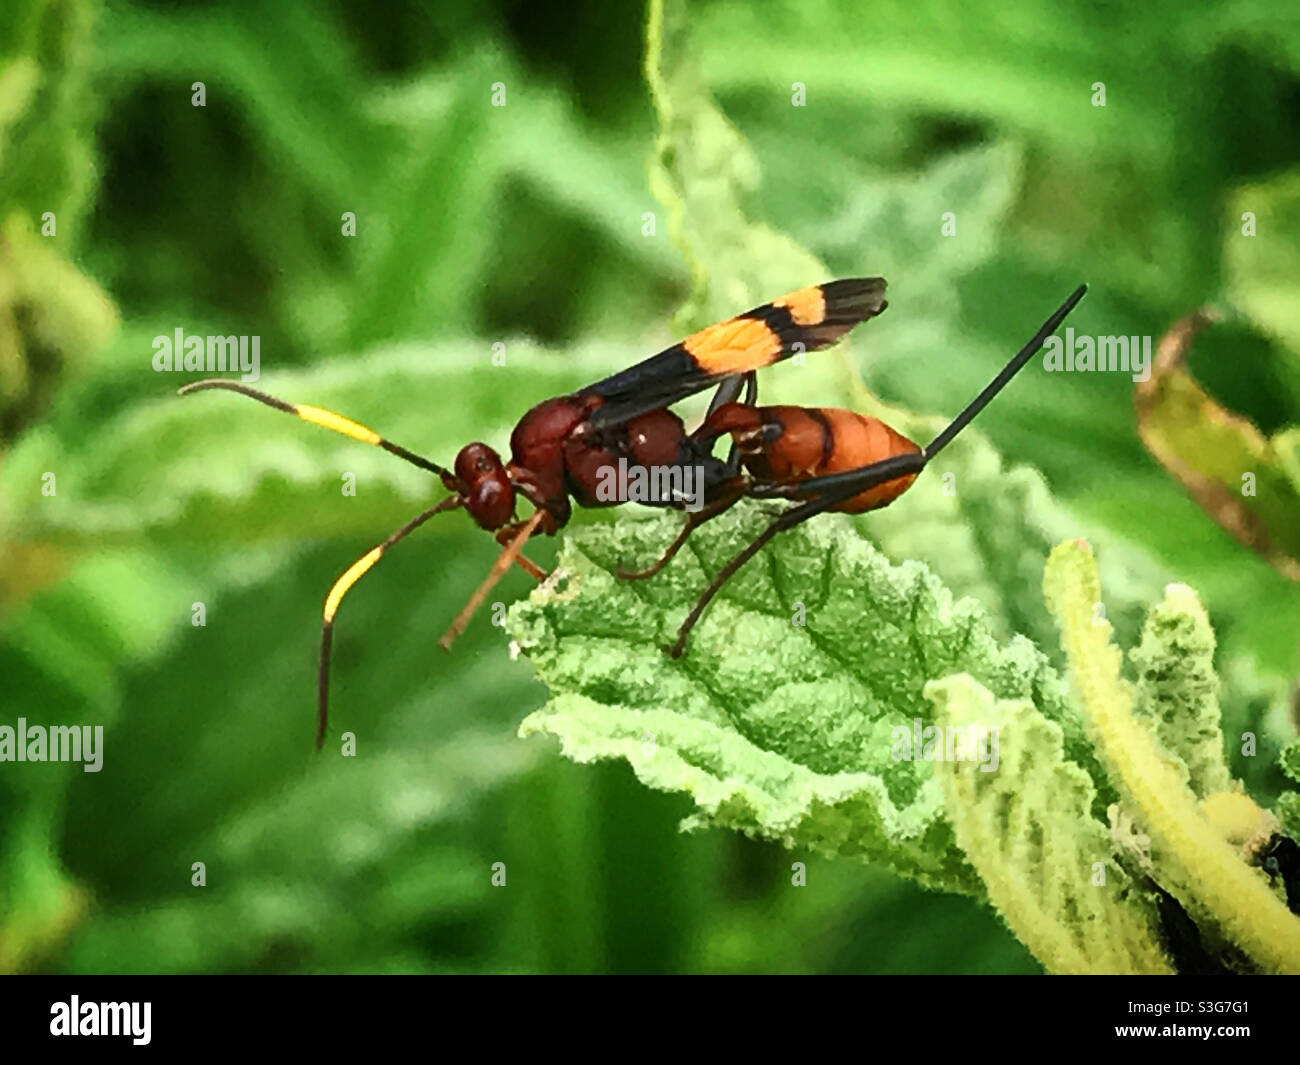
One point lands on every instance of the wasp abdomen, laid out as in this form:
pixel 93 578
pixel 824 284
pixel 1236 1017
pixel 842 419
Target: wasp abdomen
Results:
pixel 791 444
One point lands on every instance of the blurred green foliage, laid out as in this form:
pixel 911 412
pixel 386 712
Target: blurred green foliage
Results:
pixel 523 225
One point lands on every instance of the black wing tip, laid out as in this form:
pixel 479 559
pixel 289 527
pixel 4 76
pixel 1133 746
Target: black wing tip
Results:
pixel 861 284
pixel 854 299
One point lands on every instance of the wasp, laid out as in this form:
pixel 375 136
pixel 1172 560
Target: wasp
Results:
pixel 560 447
pixel 820 459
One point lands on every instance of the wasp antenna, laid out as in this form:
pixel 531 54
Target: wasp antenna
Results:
pixel 341 588
pixel 1009 371
pixel 327 419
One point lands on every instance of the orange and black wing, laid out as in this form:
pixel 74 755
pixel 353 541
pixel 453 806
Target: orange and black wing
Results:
pixel 806 320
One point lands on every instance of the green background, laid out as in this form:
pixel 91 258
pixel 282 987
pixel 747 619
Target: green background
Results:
pixel 524 226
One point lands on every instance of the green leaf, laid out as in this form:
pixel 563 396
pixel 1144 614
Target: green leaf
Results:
pixel 1260 264
pixel 1027 827
pixel 1178 690
pixel 1193 859
pixel 1288 811
pixel 781 719
pixel 1289 760
pixel 1244 481
pixel 1288 805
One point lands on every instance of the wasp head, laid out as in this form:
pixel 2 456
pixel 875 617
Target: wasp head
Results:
pixel 489 495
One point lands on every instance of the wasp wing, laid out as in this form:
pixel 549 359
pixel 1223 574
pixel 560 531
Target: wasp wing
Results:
pixel 805 320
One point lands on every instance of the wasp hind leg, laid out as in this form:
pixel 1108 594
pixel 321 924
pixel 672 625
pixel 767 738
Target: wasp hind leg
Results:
pixel 693 521
pixel 832 489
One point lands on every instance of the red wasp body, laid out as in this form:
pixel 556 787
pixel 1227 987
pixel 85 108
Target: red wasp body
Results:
pixel 555 454
pixel 791 445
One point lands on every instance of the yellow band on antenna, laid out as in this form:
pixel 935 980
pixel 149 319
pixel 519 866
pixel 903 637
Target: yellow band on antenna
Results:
pixel 329 420
pixel 354 574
